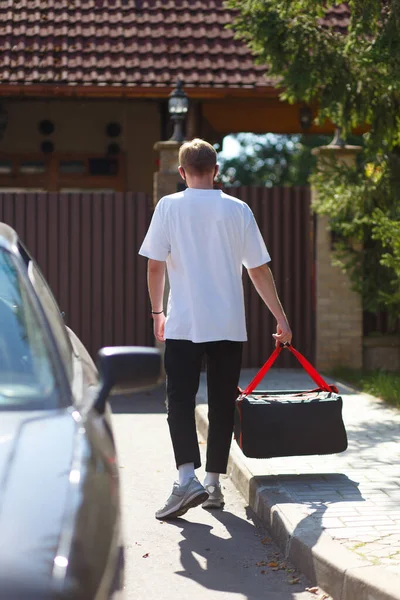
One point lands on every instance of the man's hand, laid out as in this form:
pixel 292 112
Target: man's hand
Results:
pixel 283 334
pixel 158 327
pixel 265 285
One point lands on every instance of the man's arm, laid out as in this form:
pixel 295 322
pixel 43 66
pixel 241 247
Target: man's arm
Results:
pixel 156 284
pixel 264 283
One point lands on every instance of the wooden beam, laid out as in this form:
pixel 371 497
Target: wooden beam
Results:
pixel 269 115
pixel 126 91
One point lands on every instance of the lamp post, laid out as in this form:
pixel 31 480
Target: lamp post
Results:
pixel 178 105
pixel 337 138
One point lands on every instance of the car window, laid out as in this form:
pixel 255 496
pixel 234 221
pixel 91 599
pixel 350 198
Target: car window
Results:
pixel 53 315
pixel 27 375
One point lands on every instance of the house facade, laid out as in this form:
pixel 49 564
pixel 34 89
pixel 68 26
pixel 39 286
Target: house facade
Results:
pixel 84 88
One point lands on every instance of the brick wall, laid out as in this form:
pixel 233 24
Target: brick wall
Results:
pixel 339 311
pixel 339 315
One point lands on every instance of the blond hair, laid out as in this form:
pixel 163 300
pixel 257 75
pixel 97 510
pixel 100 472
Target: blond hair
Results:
pixel 197 156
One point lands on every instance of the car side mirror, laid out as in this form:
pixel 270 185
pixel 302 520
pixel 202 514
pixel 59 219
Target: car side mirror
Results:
pixel 126 369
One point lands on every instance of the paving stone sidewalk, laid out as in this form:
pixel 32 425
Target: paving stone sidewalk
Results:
pixel 353 496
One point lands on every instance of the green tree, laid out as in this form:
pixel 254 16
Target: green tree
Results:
pixel 270 160
pixel 354 79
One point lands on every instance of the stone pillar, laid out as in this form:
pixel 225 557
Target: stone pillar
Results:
pixel 166 181
pixel 339 313
pixel 167 178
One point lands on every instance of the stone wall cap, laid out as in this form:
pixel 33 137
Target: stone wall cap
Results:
pixel 382 340
pixel 167 145
pixel 348 149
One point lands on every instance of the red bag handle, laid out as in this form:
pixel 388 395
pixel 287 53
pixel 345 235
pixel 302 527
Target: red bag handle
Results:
pixel 313 373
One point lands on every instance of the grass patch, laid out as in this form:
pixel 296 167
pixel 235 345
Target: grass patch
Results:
pixel 383 384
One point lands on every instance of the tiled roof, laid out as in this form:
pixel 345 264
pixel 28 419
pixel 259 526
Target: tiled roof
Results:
pixel 141 43
pixel 338 18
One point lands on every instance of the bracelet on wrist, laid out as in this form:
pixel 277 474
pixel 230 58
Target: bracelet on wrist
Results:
pixel 154 312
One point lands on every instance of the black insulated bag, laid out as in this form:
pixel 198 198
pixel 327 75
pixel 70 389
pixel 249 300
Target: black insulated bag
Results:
pixel 289 423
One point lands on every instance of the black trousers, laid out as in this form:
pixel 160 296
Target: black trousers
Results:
pixel 183 363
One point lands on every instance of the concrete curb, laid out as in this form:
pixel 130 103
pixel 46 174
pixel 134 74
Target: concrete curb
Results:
pixel 324 561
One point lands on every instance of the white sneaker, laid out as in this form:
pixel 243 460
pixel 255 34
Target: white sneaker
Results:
pixel 215 496
pixel 182 498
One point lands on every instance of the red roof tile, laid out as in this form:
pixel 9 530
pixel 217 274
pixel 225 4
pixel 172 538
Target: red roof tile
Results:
pixel 129 42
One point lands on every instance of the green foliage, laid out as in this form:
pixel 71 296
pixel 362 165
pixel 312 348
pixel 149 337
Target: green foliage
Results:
pixel 365 224
pixel 380 384
pixel 271 160
pixel 354 79
pixel 386 231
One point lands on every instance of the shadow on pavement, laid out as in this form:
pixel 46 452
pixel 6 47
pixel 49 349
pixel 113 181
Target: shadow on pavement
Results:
pixel 150 402
pixel 227 568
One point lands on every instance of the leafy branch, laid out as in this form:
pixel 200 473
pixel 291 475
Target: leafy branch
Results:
pixel 353 77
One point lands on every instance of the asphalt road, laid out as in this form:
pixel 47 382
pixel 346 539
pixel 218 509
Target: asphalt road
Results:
pixel 203 555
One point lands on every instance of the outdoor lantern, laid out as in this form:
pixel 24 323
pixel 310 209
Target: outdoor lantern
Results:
pixel 337 138
pixel 305 117
pixel 178 105
pixel 3 121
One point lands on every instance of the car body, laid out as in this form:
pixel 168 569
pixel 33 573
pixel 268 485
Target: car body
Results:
pixel 60 523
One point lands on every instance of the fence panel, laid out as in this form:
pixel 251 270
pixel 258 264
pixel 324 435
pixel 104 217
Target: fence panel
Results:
pixel 86 245
pixel 285 220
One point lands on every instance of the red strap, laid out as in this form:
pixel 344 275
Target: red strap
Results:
pixel 313 373
pixel 266 367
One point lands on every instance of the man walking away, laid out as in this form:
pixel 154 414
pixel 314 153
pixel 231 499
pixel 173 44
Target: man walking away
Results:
pixel 204 237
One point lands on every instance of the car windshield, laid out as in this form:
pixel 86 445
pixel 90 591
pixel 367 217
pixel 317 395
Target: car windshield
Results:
pixel 27 377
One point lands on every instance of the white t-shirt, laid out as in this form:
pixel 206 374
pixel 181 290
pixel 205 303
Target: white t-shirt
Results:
pixel 205 236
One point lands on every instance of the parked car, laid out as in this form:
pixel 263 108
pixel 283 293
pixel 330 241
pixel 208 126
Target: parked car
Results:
pixel 60 525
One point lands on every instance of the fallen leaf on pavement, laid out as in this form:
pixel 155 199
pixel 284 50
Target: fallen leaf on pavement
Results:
pixel 312 590
pixel 263 572
pixel 145 555
pixel 293 580
pixel 266 540
pixel 261 563
pixel 324 597
pixel 272 564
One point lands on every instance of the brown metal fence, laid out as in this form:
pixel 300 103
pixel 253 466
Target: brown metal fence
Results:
pixel 285 220
pixel 86 245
